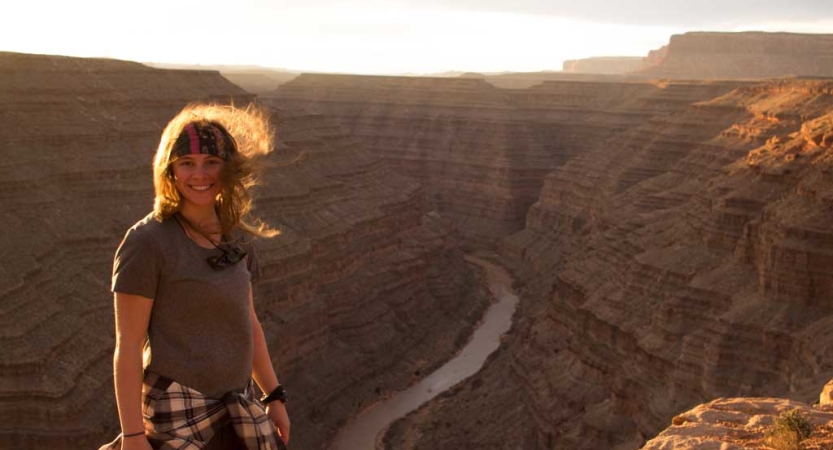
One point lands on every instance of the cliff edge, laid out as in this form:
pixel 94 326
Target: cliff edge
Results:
pixel 743 423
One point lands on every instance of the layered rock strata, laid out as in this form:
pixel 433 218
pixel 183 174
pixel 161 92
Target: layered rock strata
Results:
pixel 481 152
pixel 749 55
pixel 364 288
pixel 685 259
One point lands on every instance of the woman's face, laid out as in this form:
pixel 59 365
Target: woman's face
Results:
pixel 197 178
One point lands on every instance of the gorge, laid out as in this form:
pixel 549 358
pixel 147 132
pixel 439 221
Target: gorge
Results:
pixel 671 240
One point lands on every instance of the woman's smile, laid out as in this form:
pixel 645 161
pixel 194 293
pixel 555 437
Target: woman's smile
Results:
pixel 197 178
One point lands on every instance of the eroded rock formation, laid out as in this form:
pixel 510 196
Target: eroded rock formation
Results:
pixel 364 288
pixel 749 55
pixel 480 152
pixel 682 260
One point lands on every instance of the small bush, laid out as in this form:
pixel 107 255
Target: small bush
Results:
pixel 788 431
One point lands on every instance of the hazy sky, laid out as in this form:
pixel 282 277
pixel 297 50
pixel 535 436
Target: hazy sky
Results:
pixel 370 36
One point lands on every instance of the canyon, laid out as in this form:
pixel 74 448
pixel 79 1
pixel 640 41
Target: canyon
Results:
pixel 673 250
pixel 670 239
pixel 684 260
pixel 364 289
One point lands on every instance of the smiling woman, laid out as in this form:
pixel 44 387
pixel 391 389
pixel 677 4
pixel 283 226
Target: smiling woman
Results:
pixel 197 177
pixel 189 346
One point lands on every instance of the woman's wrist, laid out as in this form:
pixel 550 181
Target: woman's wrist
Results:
pixel 279 394
pixel 130 435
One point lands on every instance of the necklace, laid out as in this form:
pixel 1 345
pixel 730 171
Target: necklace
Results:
pixel 179 216
pixel 230 255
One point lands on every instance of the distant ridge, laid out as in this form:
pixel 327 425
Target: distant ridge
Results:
pixel 744 55
pixel 252 78
pixel 604 65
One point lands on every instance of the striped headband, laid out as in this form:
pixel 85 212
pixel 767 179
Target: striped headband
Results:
pixel 203 138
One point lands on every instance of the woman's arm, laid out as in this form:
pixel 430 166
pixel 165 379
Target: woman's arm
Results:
pixel 264 373
pixel 132 317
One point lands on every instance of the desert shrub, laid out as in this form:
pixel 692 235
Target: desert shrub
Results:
pixel 788 431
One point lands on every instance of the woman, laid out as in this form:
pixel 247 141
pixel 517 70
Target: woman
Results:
pixel 183 297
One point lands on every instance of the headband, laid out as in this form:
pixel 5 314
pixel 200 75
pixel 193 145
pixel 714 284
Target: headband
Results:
pixel 204 138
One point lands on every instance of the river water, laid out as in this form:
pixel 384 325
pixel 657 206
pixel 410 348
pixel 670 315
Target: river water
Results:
pixel 362 432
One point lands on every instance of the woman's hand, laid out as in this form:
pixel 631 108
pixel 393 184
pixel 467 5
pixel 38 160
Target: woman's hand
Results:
pixel 277 412
pixel 135 443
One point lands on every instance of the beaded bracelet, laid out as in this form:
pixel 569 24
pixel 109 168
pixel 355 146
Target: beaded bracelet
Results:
pixel 132 434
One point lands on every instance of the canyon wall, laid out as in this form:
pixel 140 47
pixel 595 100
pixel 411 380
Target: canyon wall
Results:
pixel 480 152
pixel 749 55
pixel 603 64
pixel 684 260
pixel 365 289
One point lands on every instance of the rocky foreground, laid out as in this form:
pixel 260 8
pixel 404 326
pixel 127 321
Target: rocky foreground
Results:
pixel 745 423
pixel 741 424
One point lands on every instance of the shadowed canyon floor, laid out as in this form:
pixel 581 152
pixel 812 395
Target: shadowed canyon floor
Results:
pixel 364 431
pixel 672 241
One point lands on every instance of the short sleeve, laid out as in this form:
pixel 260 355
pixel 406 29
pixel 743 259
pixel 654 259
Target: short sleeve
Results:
pixel 253 263
pixel 136 267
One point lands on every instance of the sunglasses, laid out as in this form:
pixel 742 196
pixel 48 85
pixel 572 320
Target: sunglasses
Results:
pixel 231 256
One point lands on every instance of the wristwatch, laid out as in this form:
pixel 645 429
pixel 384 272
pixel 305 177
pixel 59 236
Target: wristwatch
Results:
pixel 278 394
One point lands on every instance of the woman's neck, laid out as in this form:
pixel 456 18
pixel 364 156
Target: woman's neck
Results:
pixel 204 218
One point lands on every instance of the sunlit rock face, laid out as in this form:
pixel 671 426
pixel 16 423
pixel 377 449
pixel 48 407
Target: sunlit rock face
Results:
pixel 705 55
pixel 364 288
pixel 685 259
pixel 741 423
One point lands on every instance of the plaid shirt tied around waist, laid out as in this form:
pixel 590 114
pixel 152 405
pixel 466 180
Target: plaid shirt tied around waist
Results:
pixel 180 418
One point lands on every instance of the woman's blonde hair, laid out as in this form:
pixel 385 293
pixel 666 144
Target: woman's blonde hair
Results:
pixel 252 136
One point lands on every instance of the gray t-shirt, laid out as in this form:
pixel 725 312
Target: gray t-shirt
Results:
pixel 200 333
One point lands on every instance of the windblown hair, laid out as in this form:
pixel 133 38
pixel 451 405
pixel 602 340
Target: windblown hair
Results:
pixel 251 135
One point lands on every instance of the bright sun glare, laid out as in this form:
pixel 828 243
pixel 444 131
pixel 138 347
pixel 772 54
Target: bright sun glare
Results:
pixel 344 37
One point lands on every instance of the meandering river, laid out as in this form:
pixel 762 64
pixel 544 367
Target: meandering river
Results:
pixel 362 432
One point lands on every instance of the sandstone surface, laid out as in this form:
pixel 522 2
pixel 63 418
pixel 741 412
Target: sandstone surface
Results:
pixel 603 64
pixel 364 288
pixel 740 424
pixel 681 260
pixel 746 55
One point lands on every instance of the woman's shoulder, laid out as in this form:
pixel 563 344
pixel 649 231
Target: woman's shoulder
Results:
pixel 149 229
